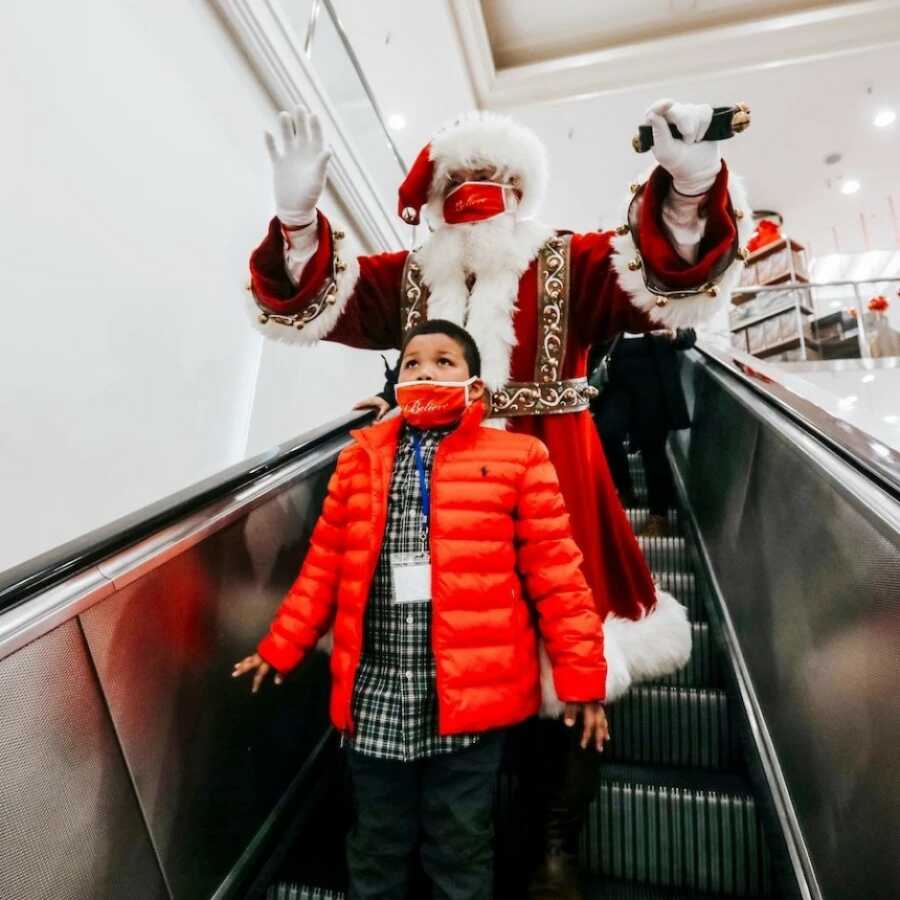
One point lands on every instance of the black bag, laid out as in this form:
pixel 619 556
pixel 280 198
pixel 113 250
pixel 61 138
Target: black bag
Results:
pixel 599 378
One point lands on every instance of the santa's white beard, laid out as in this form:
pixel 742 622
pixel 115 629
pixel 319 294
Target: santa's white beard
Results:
pixel 497 252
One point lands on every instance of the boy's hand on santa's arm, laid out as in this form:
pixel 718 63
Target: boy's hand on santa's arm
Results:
pixel 299 166
pixel 257 664
pixel 692 162
pixel 595 728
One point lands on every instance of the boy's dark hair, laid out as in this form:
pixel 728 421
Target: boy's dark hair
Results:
pixel 455 333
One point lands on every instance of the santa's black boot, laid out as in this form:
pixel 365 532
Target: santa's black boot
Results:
pixel 567 782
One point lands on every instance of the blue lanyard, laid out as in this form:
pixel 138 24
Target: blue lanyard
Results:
pixel 423 480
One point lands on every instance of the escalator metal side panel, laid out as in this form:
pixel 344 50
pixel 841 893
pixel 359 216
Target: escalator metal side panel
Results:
pixel 804 553
pixel 70 825
pixel 131 764
pixel 209 761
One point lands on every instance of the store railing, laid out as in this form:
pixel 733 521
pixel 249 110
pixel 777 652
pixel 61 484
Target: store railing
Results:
pixel 801 300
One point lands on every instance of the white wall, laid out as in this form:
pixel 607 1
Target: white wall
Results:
pixel 133 182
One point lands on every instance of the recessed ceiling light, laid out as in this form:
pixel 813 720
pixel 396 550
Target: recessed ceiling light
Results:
pixel 850 186
pixel 891 420
pixel 868 379
pixel 884 118
pixel 397 122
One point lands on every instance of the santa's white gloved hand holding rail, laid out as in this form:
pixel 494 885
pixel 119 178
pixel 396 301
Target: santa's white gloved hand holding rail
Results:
pixel 299 166
pixel 692 162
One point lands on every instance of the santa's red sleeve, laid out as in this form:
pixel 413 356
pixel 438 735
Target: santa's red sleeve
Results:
pixel 636 278
pixel 353 302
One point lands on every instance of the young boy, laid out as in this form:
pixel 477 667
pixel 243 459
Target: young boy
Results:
pixel 440 543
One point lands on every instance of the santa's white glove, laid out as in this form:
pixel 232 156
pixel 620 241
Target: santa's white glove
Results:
pixel 299 167
pixel 692 162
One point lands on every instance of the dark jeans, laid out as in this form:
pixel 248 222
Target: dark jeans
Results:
pixel 444 803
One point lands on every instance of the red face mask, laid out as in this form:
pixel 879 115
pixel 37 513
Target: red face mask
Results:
pixel 433 404
pixel 474 201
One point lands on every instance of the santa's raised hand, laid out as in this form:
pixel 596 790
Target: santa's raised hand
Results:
pixel 692 162
pixel 298 166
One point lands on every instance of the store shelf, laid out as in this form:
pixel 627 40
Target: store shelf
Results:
pixel 781 347
pixel 769 315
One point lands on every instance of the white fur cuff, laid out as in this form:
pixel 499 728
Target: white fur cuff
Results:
pixel 681 312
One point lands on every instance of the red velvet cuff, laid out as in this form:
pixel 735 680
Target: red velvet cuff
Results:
pixel 719 239
pixel 271 285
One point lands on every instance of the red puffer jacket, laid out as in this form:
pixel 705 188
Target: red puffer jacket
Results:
pixel 499 534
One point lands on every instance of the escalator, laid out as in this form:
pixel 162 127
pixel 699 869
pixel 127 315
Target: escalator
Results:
pixel 675 813
pixel 132 766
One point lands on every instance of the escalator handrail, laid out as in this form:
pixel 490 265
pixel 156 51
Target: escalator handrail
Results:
pixel 852 444
pixel 38 574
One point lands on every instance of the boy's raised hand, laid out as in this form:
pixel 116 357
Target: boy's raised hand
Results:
pixel 248 664
pixel 595 727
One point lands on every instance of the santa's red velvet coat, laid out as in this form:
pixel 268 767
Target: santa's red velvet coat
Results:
pixel 364 309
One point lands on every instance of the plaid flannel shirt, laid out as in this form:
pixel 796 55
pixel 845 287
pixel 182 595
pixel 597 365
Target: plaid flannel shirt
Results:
pixel 395 698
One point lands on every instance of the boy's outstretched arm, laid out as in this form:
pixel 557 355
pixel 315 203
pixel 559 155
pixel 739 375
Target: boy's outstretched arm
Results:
pixel 550 563
pixel 307 611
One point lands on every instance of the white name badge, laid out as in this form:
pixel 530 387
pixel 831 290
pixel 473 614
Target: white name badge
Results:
pixel 411 576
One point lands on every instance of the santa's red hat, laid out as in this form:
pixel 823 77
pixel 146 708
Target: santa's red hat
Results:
pixel 474 141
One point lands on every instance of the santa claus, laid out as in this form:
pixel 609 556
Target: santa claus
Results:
pixel 534 297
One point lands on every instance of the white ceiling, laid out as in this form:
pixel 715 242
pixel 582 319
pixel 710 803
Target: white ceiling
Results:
pixel 804 106
pixel 520 53
pixel 557 29
pixel 799 116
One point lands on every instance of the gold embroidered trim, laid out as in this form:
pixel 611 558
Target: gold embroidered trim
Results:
pixel 413 297
pixel 325 298
pixel 553 308
pixel 532 398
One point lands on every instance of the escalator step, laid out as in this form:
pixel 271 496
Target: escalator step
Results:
pixel 594 888
pixel 679 837
pixel 301 892
pixel 683 586
pixel 637 516
pixel 669 553
pixel 704 668
pixel 600 888
pixel 673 726
pixel 640 494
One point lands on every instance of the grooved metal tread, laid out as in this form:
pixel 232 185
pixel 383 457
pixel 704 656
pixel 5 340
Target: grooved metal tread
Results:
pixel 669 553
pixel 285 891
pixel 704 668
pixel 674 726
pixel 638 515
pixel 662 827
pixel 594 888
pixel 600 888
pixel 683 586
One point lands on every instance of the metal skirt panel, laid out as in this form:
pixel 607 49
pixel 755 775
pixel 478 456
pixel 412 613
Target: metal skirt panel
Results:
pixel 70 827
pixel 209 760
pixel 808 562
